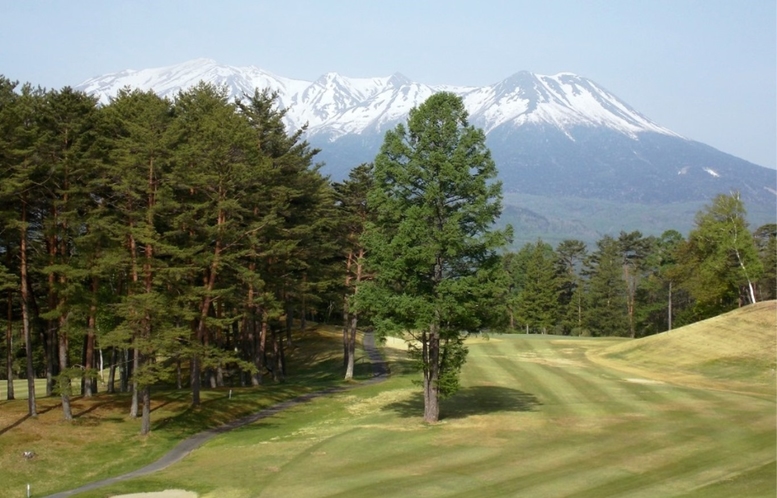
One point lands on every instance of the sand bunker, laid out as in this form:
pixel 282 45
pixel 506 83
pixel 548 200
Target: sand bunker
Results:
pixel 168 493
pixel 644 381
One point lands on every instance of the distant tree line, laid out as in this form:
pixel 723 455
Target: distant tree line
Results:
pixel 634 285
pixel 181 240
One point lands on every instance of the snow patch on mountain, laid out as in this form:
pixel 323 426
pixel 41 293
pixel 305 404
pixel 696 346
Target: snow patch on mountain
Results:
pixel 336 105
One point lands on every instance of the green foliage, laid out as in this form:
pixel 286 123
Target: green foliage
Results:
pixel 766 241
pixel 431 247
pixel 538 299
pixel 606 309
pixel 719 262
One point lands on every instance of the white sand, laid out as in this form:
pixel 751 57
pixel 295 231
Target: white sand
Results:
pixel 168 493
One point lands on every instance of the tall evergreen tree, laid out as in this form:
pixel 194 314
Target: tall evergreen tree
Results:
pixel 65 137
pixel 138 192
pixel 634 251
pixel 431 246
pixel 538 299
pixel 212 164
pixel 23 176
pixel 570 257
pixel 607 310
pixel 352 199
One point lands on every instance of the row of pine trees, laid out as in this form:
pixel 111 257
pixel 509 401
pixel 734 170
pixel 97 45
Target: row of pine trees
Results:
pixel 158 232
pixel 183 238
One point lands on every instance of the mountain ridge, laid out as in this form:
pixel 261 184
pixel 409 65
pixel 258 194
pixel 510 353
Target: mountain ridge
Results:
pixel 558 136
pixel 333 105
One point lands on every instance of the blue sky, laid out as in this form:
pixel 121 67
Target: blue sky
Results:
pixel 705 69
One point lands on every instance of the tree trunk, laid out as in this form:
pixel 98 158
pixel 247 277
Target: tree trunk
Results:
pixel 260 359
pixel 354 320
pixel 289 322
pixel 351 347
pixel 194 379
pixel 124 371
pixel 134 407
pixel 89 377
pixel 9 347
pixel 25 297
pixel 111 388
pixel 346 313
pixel 65 383
pixel 346 321
pixel 431 375
pixel 145 421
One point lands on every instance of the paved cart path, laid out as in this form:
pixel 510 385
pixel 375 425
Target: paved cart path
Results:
pixel 379 373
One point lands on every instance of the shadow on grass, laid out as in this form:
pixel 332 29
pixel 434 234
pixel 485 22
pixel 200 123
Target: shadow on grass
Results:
pixel 476 400
pixel 18 422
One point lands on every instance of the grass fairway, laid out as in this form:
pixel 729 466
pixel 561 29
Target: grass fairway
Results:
pixel 102 440
pixel 536 417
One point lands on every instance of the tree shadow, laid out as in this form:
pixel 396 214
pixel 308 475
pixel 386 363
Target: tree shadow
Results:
pixel 475 400
pixel 27 416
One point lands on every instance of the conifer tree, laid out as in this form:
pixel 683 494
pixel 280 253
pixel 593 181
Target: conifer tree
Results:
pixel 432 247
pixel 65 136
pixel 570 256
pixel 606 304
pixel 211 166
pixel 21 191
pixel 538 299
pixel 634 251
pixel 138 192
pixel 352 199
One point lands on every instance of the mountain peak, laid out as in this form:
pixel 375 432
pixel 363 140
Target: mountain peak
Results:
pixel 398 80
pixel 335 105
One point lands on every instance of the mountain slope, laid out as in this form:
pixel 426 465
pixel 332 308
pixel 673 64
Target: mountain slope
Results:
pixel 560 136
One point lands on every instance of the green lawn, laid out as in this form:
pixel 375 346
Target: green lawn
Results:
pixel 102 440
pixel 536 417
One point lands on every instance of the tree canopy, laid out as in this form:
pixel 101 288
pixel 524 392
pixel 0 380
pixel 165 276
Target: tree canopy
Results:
pixel 432 246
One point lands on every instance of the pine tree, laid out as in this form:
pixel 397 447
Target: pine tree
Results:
pixel 570 257
pixel 634 250
pixel 65 136
pixel 138 191
pixel 538 299
pixel 607 310
pixel 352 199
pixel 211 165
pixel 22 197
pixel 431 247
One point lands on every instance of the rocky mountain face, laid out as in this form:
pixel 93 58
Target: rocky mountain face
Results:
pixel 560 136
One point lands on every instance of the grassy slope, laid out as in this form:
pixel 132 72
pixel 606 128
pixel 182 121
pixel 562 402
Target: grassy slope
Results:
pixel 536 417
pixel 737 349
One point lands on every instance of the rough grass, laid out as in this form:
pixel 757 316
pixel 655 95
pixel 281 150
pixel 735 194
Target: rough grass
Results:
pixel 535 417
pixel 736 349
pixel 103 441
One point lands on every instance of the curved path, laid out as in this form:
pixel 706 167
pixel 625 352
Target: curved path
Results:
pixel 379 373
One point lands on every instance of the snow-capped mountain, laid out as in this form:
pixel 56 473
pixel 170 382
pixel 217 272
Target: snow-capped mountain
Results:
pixel 336 105
pixel 561 135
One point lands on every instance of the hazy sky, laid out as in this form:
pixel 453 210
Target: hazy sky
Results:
pixel 706 69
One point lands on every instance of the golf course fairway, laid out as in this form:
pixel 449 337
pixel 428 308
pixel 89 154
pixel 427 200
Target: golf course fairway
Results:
pixel 537 416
